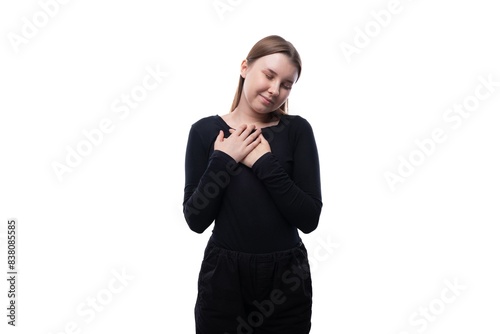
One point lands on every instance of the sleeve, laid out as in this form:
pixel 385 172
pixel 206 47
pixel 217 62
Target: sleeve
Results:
pixel 206 178
pixel 297 198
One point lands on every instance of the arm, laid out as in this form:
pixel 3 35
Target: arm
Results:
pixel 298 198
pixel 206 180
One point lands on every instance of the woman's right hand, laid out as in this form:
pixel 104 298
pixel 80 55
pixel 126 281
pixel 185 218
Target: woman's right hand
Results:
pixel 239 143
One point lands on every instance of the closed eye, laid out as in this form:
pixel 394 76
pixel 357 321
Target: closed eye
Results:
pixel 285 86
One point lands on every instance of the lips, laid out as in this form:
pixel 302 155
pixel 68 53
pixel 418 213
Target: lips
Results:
pixel 266 100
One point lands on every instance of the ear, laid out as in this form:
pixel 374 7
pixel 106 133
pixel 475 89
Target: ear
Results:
pixel 244 68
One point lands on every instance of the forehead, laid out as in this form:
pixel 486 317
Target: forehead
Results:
pixel 280 63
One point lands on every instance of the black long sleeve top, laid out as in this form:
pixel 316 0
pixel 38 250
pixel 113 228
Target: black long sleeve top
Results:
pixel 258 209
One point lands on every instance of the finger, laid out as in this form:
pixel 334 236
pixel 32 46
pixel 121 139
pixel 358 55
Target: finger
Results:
pixel 254 144
pixel 240 129
pixel 254 135
pixel 248 131
pixel 220 136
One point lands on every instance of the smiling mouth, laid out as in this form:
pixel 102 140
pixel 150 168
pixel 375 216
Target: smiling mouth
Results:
pixel 267 100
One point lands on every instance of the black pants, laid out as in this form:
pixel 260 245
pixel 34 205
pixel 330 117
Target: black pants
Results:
pixel 242 293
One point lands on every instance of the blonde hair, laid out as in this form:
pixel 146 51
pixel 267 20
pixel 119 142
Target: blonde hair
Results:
pixel 266 46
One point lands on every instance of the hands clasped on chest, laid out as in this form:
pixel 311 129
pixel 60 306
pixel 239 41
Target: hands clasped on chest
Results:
pixel 245 144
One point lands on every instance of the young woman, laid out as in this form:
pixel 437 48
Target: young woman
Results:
pixel 255 171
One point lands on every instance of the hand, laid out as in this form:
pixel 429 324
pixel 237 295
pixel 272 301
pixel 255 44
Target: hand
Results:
pixel 239 143
pixel 257 152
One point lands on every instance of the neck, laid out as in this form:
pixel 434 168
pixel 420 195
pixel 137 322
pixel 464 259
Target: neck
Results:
pixel 241 116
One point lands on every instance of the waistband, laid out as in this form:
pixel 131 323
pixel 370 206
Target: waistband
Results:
pixel 259 257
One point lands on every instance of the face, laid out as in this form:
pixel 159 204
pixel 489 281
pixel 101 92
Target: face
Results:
pixel 268 82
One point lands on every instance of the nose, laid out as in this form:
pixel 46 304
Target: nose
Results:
pixel 274 88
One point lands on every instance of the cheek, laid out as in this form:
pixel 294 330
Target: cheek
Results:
pixel 247 91
pixel 252 88
pixel 257 82
pixel 284 94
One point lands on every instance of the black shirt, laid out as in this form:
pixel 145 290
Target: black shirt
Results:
pixel 258 209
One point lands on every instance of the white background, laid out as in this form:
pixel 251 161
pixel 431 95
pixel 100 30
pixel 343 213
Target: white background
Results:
pixel 120 208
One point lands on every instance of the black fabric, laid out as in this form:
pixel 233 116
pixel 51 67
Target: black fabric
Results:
pixel 254 293
pixel 258 209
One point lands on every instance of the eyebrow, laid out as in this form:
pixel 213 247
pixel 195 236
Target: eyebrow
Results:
pixel 273 72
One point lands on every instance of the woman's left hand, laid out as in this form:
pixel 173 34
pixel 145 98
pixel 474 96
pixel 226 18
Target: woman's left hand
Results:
pixel 262 148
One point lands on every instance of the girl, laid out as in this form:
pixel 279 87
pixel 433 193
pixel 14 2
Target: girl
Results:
pixel 255 171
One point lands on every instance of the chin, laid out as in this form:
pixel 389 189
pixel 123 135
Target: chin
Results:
pixel 267 111
pixel 260 109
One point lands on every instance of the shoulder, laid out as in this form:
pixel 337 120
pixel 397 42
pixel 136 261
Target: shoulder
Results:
pixel 203 132
pixel 298 129
pixel 296 123
pixel 207 126
pixel 205 122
